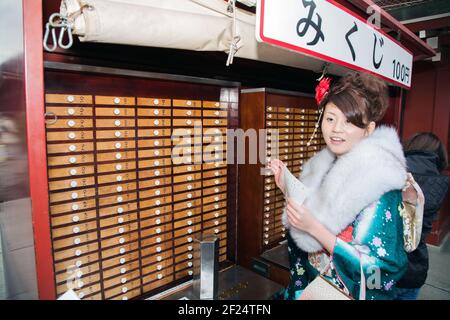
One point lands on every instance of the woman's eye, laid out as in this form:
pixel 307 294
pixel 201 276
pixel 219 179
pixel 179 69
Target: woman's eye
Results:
pixel 329 119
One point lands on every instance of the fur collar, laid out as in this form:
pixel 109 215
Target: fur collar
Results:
pixel 342 187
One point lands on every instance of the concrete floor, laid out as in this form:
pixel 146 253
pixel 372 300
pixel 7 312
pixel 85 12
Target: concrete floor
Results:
pixel 437 285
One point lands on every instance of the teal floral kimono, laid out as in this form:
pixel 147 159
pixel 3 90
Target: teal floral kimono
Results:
pixel 377 243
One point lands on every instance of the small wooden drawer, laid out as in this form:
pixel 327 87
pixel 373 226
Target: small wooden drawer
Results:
pixel 214 198
pixel 118 177
pixel 71 183
pixel 77 272
pixel 114 123
pixel 187 103
pixel 156 152
pixel 74 195
pixel 157 192
pixel 214 190
pixel 215 214
pixel 184 122
pixel 214 165
pixel 120 261
pixel 156 231
pixel 146 210
pixel 151 163
pixel 219 122
pixel 77 279
pixel 214 131
pixel 154 172
pixel 123 289
pixel 187 222
pixel 215 223
pixel 215 104
pixel 157 182
pixel 79 123
pixel 116 167
pixel 116 156
pixel 189 230
pixel 118 188
pixel 155 222
pixel 120 240
pixel 186 205
pixel 78 262
pixel 154 112
pixel 157 102
pixel 300 117
pixel 74 230
pixel 119 250
pixel 187 113
pixel 70 147
pixel 161 266
pixel 69 111
pixel 117 112
pixel 214 181
pixel 71 171
pixel 187 186
pixel 117 199
pixel 218 139
pixel 75 217
pixel 115 134
pixel 74 240
pixel 215 113
pixel 76 252
pixel 187 178
pixel 154 133
pixel 219 156
pixel 118 230
pixel 157 279
pixel 73 207
pixel 157 202
pixel 154 123
pixel 187 213
pixel 183 268
pixel 121 279
pixel 187 168
pixel 153 284
pixel 271 109
pixel 155 240
pixel 116 145
pixel 214 206
pixel 70 135
pixel 80 287
pixel 214 174
pixel 110 100
pixel 117 220
pixel 185 258
pixel 68 99
pixel 155 143
pixel 122 270
pixel 186 196
pixel 157 249
pixel 70 159
pixel 164 258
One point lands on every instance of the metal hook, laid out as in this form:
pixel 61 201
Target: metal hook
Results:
pixel 62 21
pixel 324 71
pixel 47 32
pixel 69 35
pixel 48 114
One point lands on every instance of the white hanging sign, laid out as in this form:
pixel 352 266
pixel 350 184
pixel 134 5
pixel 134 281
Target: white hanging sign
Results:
pixel 327 30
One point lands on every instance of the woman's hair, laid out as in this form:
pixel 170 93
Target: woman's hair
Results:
pixel 361 97
pixel 427 141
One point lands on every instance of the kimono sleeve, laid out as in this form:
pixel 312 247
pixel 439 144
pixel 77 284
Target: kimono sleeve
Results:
pixel 377 245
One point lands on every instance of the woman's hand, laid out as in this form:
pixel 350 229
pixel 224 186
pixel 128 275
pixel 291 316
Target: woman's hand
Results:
pixel 409 194
pixel 300 217
pixel 277 167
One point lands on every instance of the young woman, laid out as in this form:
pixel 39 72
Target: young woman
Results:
pixel 426 158
pixel 351 220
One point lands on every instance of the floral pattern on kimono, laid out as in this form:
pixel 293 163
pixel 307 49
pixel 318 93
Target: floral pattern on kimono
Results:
pixel 377 242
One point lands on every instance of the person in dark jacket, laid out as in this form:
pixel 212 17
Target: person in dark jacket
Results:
pixel 426 158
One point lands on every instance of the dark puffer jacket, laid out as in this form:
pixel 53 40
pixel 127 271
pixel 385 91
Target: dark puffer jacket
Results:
pixel 424 168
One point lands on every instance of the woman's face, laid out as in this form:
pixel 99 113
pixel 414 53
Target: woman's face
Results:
pixel 339 134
